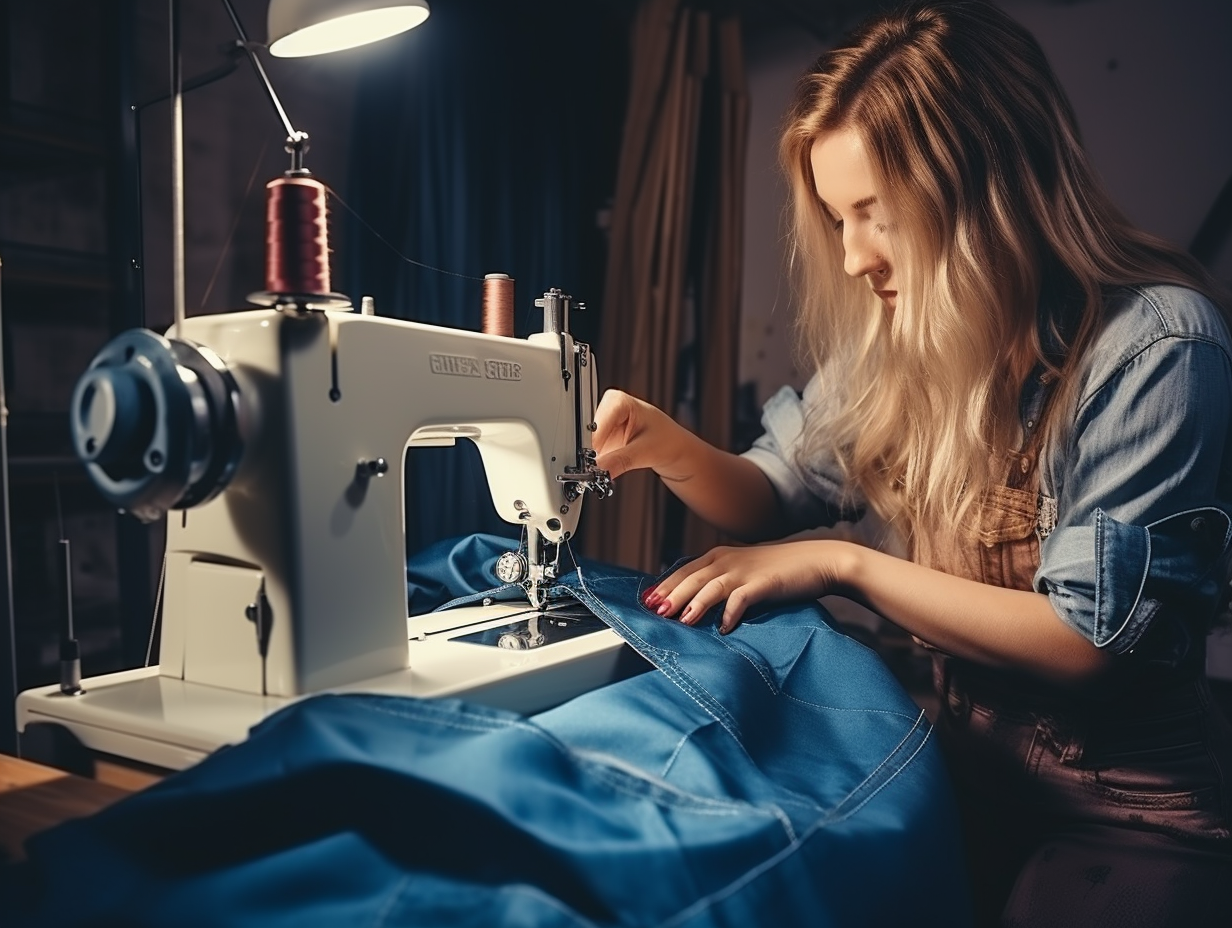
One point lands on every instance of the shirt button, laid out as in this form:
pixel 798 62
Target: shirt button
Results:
pixel 1024 465
pixel 1030 423
pixel 1198 524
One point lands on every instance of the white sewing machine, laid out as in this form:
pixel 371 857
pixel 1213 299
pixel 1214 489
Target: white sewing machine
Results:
pixel 278 436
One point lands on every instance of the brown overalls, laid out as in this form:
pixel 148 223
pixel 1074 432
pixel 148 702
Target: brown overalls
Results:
pixel 1093 807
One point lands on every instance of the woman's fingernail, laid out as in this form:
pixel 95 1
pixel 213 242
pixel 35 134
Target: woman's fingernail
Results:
pixel 663 608
pixel 687 614
pixel 649 595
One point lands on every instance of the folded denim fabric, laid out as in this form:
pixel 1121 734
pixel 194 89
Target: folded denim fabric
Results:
pixel 776 776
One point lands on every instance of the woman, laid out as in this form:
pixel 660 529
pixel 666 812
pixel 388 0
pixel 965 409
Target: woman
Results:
pixel 1037 396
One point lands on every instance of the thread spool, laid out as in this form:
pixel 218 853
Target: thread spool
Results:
pixel 297 246
pixel 498 305
pixel 297 237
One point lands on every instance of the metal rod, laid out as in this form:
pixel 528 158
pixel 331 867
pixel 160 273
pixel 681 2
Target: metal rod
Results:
pixel 295 139
pixel 8 732
pixel 64 567
pixel 177 171
pixel 70 650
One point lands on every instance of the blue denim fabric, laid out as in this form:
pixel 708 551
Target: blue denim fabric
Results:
pixel 777 776
pixel 1142 480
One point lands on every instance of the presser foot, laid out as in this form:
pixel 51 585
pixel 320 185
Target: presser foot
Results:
pixel 528 568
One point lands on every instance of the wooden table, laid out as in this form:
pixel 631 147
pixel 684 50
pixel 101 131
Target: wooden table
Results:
pixel 34 797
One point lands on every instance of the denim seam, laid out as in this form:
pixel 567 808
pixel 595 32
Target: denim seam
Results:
pixel 690 687
pixel 834 813
pixel 425 711
pixel 697 907
pixel 667 767
pixel 1159 313
pixel 451 720
pixel 394 897
pixel 615 775
pixel 1095 390
pixel 679 679
pixel 682 682
pixel 760 668
pixel 689 690
pixel 817 705
pixel 779 691
pixel 474 597
pixel 669 668
pixel 1100 556
pixel 667 798
pixel 623 772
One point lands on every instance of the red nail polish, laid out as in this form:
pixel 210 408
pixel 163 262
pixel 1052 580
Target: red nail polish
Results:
pixel 662 610
pixel 649 595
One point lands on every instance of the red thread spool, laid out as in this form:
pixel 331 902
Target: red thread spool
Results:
pixel 498 305
pixel 296 237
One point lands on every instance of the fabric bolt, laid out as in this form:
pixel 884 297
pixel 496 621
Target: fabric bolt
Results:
pixel 776 776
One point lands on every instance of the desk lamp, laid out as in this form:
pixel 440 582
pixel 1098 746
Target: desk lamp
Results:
pixel 297 28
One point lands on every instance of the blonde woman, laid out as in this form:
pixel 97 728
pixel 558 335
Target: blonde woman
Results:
pixel 1037 396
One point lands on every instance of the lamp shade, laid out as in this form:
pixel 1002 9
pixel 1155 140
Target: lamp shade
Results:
pixel 298 28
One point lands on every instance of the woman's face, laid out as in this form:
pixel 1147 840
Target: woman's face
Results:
pixel 843 176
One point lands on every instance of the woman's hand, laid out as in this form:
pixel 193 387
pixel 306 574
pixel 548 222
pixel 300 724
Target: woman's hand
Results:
pixel 630 434
pixel 798 570
pixel 724 489
pixel 975 621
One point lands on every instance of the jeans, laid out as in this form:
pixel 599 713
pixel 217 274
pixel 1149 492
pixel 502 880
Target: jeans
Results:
pixel 1091 813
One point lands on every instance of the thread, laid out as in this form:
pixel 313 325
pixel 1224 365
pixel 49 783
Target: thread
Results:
pixel 498 305
pixel 296 237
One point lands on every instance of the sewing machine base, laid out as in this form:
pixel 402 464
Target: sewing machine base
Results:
pixel 172 723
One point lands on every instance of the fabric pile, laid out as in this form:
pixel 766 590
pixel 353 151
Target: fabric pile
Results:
pixel 776 776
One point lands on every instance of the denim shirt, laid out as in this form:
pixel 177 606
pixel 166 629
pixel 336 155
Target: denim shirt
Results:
pixel 1135 498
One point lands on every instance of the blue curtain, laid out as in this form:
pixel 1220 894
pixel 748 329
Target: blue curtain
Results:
pixel 484 142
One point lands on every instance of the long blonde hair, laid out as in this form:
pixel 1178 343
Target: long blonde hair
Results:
pixel 1007 244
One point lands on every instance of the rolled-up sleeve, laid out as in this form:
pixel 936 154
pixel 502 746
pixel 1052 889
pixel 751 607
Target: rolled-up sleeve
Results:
pixel 811 493
pixel 1143 526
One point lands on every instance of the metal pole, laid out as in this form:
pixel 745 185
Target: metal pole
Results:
pixel 8 668
pixel 297 142
pixel 177 170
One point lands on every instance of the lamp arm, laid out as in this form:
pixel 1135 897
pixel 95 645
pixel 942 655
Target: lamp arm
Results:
pixel 297 141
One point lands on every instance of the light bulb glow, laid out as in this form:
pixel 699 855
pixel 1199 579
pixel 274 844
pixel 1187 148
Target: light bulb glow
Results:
pixel 350 31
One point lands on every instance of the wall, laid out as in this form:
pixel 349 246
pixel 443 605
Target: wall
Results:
pixel 1151 81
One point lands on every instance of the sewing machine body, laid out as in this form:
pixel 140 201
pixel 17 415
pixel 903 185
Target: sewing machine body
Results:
pixel 291 580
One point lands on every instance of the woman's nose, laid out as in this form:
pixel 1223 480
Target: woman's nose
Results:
pixel 859 260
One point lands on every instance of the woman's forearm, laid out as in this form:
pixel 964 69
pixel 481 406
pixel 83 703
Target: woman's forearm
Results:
pixel 727 491
pixel 976 621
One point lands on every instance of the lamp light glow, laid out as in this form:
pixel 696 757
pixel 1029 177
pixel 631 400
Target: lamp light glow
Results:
pixel 298 28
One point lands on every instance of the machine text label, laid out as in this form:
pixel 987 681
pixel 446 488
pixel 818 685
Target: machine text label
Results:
pixel 502 370
pixel 456 364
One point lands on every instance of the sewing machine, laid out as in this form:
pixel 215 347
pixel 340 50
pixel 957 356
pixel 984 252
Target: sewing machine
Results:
pixel 273 442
